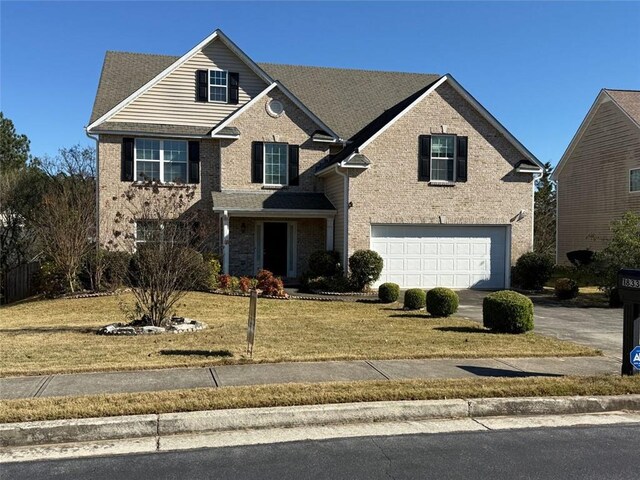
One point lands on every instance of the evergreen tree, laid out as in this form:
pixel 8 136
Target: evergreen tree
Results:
pixel 544 228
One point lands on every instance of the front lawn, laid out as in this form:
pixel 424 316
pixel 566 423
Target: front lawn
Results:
pixel 56 336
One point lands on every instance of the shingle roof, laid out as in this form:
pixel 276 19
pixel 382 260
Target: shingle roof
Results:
pixel 278 200
pixel 152 128
pixel 122 74
pixel 628 100
pixel 347 100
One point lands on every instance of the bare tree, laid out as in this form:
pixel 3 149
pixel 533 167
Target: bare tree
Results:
pixel 164 233
pixel 65 220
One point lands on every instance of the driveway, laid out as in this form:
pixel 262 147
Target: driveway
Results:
pixel 595 327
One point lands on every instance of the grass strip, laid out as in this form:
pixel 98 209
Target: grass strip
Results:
pixel 56 408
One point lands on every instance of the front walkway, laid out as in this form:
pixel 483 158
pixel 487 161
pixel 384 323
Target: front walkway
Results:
pixel 303 372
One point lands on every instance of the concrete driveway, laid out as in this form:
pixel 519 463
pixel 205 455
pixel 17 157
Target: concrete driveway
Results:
pixel 595 327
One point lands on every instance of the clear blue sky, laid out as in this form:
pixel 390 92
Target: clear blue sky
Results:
pixel 536 66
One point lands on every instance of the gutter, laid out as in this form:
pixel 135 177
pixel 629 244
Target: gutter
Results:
pixel 345 240
pixel 96 139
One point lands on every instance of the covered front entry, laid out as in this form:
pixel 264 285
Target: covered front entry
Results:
pixel 274 231
pixel 454 256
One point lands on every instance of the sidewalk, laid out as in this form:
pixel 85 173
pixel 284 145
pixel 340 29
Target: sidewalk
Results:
pixel 303 372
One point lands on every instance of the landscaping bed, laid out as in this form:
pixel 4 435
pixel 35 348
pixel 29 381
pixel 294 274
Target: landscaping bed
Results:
pixel 56 336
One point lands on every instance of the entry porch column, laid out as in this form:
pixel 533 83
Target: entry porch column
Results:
pixel 225 242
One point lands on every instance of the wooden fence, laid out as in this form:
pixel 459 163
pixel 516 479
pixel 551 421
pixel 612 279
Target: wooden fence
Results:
pixel 20 282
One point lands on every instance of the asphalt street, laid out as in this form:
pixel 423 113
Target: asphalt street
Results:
pixel 592 452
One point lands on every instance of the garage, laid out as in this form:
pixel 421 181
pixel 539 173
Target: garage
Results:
pixel 454 256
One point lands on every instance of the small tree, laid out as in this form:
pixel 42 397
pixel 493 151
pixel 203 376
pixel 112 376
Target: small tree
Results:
pixel 65 218
pixel 166 263
pixel 544 227
pixel 622 251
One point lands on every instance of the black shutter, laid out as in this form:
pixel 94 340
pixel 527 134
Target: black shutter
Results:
pixel 126 165
pixel 424 160
pixel 294 165
pixel 234 84
pixel 461 160
pixel 194 162
pixel 202 85
pixel 256 162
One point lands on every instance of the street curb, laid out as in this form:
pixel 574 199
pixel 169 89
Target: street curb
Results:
pixel 169 424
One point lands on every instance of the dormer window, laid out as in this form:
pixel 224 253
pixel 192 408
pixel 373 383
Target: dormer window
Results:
pixel 218 86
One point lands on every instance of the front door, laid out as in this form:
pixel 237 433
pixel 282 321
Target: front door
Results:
pixel 275 248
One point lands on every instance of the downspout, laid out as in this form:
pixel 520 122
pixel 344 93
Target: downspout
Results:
pixel 345 223
pixel 96 138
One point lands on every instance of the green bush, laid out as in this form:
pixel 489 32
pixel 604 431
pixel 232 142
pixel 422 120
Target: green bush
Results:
pixel 366 267
pixel 532 271
pixel 51 280
pixel 211 272
pixel 507 312
pixel 415 299
pixel 442 302
pixel 388 292
pixel 566 289
pixel 324 264
pixel 116 269
pixel 336 284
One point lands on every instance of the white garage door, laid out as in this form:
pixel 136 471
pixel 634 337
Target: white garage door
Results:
pixel 442 255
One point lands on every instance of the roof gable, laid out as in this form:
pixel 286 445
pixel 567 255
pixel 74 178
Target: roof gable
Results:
pixel 136 77
pixel 372 131
pixel 627 101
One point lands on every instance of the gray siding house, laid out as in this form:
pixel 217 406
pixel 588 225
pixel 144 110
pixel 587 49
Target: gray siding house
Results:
pixel 287 160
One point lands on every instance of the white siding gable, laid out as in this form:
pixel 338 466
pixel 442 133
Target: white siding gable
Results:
pixel 173 99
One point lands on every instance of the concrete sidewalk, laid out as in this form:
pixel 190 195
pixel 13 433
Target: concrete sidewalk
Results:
pixel 302 372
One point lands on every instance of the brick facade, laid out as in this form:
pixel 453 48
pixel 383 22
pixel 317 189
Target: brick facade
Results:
pixel 389 192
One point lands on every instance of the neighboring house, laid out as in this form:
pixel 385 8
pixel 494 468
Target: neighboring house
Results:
pixel 288 160
pixel 598 177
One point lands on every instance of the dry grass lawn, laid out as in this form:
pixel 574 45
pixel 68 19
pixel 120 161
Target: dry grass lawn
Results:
pixel 308 394
pixel 55 336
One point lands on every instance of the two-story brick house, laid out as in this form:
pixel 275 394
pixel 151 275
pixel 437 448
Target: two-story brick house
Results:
pixel 287 160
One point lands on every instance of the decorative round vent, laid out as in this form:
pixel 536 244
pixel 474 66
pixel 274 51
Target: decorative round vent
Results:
pixel 275 108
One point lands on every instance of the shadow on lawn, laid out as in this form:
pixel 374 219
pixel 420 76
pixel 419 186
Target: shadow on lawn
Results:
pixel 463 329
pixel 57 329
pixel 201 353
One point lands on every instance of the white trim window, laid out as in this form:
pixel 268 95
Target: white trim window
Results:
pixel 160 160
pixel 443 158
pixel 219 86
pixel 276 164
pixel 634 180
pixel 148 231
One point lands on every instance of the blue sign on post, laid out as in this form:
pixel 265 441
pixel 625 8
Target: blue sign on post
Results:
pixel 635 357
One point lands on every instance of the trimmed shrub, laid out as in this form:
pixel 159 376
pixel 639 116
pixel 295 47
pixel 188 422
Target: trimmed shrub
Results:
pixel 442 302
pixel 324 264
pixel 245 284
pixel 388 292
pixel 507 312
pixel 566 289
pixel 579 258
pixel 533 270
pixel 224 282
pixel 269 284
pixel 212 269
pixel 415 299
pixel 366 267
pixel 337 284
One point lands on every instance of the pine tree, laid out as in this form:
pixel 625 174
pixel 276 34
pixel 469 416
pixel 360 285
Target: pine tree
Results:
pixel 544 229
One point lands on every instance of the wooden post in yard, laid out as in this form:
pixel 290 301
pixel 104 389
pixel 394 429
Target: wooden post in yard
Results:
pixel 251 326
